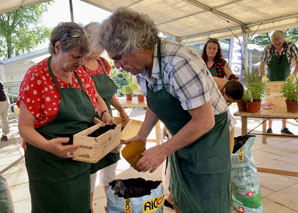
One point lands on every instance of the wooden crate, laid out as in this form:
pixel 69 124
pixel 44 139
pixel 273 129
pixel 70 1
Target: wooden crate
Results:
pixel 274 87
pixel 93 149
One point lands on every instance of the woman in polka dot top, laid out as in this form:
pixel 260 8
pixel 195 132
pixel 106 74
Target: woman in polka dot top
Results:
pixel 56 102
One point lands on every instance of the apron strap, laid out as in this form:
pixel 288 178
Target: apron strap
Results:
pixel 159 62
pixel 54 78
pixel 104 69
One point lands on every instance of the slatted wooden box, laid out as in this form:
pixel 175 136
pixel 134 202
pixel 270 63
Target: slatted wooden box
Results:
pixel 274 87
pixel 93 149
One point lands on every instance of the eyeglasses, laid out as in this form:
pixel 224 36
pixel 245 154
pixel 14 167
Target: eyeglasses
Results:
pixel 73 33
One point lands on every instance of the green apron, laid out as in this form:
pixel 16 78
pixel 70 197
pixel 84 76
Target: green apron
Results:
pixel 278 71
pixel 213 72
pixel 106 88
pixel 200 172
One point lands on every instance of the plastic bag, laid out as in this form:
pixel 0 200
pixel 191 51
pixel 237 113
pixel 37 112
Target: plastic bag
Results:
pixel 244 180
pixel 135 195
pixel 6 204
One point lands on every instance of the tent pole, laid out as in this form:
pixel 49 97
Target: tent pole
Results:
pixel 71 10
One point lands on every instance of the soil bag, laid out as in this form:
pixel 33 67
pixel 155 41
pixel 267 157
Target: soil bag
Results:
pixel 244 180
pixel 240 141
pixel 135 195
pixel 6 204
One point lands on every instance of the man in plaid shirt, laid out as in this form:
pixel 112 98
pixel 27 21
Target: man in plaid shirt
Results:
pixel 181 93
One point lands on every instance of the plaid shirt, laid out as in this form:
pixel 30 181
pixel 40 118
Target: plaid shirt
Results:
pixel 288 48
pixel 186 77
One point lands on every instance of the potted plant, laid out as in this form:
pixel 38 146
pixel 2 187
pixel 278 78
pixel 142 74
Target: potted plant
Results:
pixel 127 90
pixel 290 92
pixel 255 91
pixel 242 103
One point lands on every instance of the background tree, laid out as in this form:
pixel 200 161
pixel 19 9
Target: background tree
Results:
pixel 21 30
pixel 265 38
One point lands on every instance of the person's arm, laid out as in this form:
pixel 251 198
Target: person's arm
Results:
pixel 102 110
pixel 30 135
pixel 227 70
pixel 261 68
pixel 296 67
pixel 232 140
pixel 115 103
pixel 148 124
pixel 193 130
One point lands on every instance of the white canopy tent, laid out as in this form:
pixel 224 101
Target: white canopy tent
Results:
pixel 10 5
pixel 193 21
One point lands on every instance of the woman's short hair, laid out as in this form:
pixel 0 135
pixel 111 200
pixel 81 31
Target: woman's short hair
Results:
pixel 218 55
pixel 278 36
pixel 93 29
pixel 64 33
pixel 128 31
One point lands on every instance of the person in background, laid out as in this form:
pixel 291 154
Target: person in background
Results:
pixel 56 102
pixel 4 105
pixel 98 68
pixel 278 57
pixel 181 93
pixel 214 60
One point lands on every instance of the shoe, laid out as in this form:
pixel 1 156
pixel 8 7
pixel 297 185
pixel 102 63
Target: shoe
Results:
pixel 269 131
pixel 168 204
pixel 286 131
pixel 4 138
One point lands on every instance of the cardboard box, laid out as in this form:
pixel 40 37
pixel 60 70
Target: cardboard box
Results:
pixel 94 149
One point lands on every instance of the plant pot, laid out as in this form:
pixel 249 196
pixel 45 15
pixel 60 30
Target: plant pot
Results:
pixel 253 106
pixel 141 98
pixel 128 97
pixel 241 106
pixel 292 106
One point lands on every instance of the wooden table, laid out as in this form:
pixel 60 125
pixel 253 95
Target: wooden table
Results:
pixel 134 103
pixel 278 111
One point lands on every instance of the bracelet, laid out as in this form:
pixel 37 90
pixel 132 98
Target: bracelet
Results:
pixel 100 117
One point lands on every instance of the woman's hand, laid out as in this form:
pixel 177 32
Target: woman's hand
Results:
pixel 106 118
pixel 123 115
pixel 56 147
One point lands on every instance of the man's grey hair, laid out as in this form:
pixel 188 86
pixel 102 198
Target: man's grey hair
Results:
pixel 127 31
pixel 278 36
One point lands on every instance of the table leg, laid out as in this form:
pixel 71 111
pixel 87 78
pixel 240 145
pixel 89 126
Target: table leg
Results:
pixel 264 127
pixel 158 133
pixel 244 125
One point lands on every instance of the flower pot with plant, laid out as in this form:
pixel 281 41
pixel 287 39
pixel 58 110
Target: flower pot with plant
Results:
pixel 127 91
pixel 290 92
pixel 255 91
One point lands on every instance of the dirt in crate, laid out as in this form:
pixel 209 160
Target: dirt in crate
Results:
pixel 102 130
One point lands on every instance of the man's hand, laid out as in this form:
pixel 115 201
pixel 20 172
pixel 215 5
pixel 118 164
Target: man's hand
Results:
pixel 265 80
pixel 292 76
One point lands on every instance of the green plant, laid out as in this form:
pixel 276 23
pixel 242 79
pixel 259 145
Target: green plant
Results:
pixel 254 85
pixel 127 89
pixel 290 89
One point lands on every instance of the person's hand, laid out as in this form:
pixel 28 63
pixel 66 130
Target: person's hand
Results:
pixel 136 138
pixel 151 159
pixel 56 147
pixel 265 79
pixel 123 115
pixel 107 119
pixel 291 77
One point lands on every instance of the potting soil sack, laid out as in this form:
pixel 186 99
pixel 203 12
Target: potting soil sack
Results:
pixel 244 180
pixel 6 204
pixel 135 195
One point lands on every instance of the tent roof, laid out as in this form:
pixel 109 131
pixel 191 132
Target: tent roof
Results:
pixel 10 5
pixel 193 21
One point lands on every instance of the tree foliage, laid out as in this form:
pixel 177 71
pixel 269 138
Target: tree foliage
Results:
pixel 265 38
pixel 21 30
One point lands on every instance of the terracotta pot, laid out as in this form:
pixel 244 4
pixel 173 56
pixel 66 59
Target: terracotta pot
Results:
pixel 128 97
pixel 292 106
pixel 141 98
pixel 253 106
pixel 241 106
